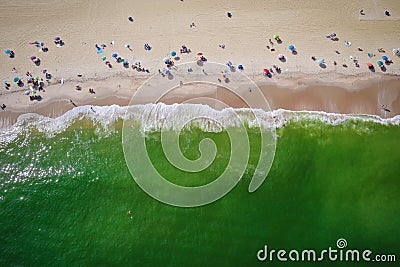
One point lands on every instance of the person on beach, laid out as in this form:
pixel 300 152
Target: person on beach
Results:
pixel 362 12
pixel 270 41
pixel 72 102
pixel 7 85
pixel 3 107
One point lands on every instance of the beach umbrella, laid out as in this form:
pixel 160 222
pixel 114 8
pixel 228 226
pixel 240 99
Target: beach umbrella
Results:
pixel 16 79
pixel 103 58
pixel 276 36
pixel 173 53
pixel 167 60
pixel 7 51
pixel 114 55
pixel 240 67
pixel 44 71
pixel 275 66
pixel 369 65
pixel 199 54
pixel 280 56
pixel 385 58
pixel 347 43
pixel 229 63
pixel 33 57
pixel 333 34
pixel 57 38
pixel 27 92
pixel 291 47
pixel 321 61
pixel 380 63
pixel 266 70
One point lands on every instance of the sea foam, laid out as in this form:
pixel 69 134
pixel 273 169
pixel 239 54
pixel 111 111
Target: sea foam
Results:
pixel 156 117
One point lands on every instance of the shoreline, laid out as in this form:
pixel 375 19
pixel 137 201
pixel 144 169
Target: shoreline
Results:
pixel 335 93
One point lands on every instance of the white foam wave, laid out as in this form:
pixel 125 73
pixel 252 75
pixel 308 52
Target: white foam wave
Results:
pixel 158 118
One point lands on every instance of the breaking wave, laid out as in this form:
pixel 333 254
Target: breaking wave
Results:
pixel 105 117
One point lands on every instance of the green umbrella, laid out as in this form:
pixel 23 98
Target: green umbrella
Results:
pixel 276 36
pixel 103 58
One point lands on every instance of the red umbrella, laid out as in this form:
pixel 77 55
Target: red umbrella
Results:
pixel 266 70
pixel 370 65
pixel 199 54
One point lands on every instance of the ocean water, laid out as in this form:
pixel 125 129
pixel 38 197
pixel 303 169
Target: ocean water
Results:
pixel 68 198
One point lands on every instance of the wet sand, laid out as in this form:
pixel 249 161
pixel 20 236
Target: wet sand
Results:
pixel 360 97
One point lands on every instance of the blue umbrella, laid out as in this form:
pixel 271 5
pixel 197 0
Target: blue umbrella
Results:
pixel 385 58
pixel 167 60
pixel 114 55
pixel 8 51
pixel 240 67
pixel 173 53
pixel 57 38
pixel 333 34
pixel 380 63
pixel 291 47
pixel 16 79
pixel 321 61
pixel 27 92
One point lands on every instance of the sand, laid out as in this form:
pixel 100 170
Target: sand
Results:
pixel 302 85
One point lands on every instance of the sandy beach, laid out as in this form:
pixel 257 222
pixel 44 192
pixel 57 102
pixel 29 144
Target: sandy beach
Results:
pixel 303 84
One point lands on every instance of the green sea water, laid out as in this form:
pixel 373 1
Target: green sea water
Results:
pixel 64 199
